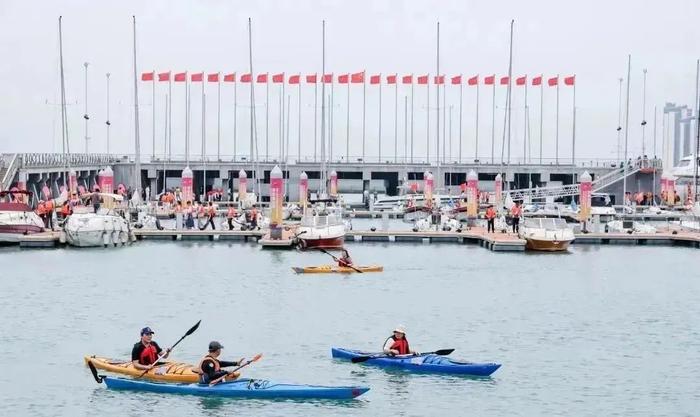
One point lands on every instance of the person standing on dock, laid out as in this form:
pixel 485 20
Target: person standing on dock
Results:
pixel 490 219
pixel 230 215
pixel 95 199
pixel 210 213
pixel 515 213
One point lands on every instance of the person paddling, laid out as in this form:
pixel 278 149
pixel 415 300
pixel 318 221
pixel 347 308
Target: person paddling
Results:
pixel 345 260
pixel 397 344
pixel 145 353
pixel 210 365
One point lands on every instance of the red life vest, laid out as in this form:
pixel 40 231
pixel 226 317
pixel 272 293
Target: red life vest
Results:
pixel 149 355
pixel 401 345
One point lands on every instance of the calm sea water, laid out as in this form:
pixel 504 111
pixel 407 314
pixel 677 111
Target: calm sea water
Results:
pixel 598 331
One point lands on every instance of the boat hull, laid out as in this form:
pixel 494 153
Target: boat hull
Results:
pixel 246 388
pixel 422 363
pixel 330 269
pixel 547 245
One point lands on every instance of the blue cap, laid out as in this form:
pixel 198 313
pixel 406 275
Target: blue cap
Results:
pixel 146 330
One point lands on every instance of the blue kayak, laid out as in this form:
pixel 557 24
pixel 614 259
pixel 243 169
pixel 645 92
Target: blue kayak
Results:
pixel 243 388
pixel 426 363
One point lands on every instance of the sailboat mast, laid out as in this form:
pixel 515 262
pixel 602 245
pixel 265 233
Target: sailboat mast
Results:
pixel 64 120
pixel 137 144
pixel 322 182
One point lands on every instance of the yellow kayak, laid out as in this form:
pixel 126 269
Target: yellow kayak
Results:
pixel 331 269
pixel 167 372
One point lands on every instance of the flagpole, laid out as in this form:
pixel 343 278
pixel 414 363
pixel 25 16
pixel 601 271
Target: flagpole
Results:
pixel 235 115
pixel 541 113
pixel 412 124
pixel 437 106
pixel 644 109
pixel 86 117
pixel 204 142
pixel 108 122
pixel 510 86
pixel 170 116
pixel 476 134
pixel 573 133
pixel 347 127
pixel 218 117
pixel 396 118
pixel 267 117
pixel 331 123
pixel 299 121
pixel 493 123
pixel 525 147
pixel 137 139
pixel 154 114
pixel 315 116
pixel 380 118
pixel 281 120
pixel 556 147
pixel 460 118
pixel 165 143
pixel 405 129
pixel 427 123
pixel 364 114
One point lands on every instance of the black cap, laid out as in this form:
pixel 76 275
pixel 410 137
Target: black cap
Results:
pixel 214 346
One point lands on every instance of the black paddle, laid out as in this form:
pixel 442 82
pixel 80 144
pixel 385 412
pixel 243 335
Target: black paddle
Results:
pixel 98 378
pixel 336 259
pixel 360 359
pixel 189 332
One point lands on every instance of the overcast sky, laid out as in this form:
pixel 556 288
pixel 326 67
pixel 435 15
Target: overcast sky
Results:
pixel 590 39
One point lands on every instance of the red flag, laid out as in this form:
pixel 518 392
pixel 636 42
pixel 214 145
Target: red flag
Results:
pixel 213 78
pixel 407 79
pixel 230 78
pixel 375 79
pixel 278 78
pixel 294 79
pixel 537 80
pixel 439 79
pixel 423 79
pixel 521 80
pixel 311 79
pixel 262 78
pixel 343 79
pixel 148 76
pixel 553 81
pixel 358 77
pixel 164 76
pixel 180 77
pixel 570 80
pixel 197 77
pixel 327 78
pixel 490 80
pixel 504 80
pixel 391 79
pixel 457 79
pixel 473 80
pixel 246 78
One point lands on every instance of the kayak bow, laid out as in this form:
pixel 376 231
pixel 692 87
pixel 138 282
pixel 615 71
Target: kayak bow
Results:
pixel 424 363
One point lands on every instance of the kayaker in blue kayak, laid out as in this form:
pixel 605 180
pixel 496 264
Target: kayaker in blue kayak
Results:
pixel 145 353
pixel 210 365
pixel 397 344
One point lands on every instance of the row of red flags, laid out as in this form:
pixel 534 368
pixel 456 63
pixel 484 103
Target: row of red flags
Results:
pixel 355 78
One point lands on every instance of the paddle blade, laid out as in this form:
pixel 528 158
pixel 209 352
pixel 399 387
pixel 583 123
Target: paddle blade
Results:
pixel 98 378
pixel 256 358
pixel 193 329
pixel 443 352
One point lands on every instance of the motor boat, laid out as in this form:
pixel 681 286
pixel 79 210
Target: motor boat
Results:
pixel 85 228
pixel 629 227
pixel 546 234
pixel 17 218
pixel 322 227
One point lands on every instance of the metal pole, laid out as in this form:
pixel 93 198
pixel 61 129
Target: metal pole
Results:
pixel 282 122
pixel 627 115
pixel 697 128
pixel 137 142
pixel 460 119
pixel 170 117
pixel 437 105
pixel 619 121
pixel 299 121
pixel 204 143
pixel 644 110
pixel 427 122
pixel 396 118
pixel 267 117
pixel 165 143
pixel 476 124
pixel 541 114
pixel 451 108
pixel 218 117
pixel 556 146
pixel 525 127
pixel 108 122
pixel 364 114
pixel 315 117
pixel 653 182
pixel 405 129
pixel 64 119
pixel 252 99
pixel 187 120
pixel 347 126
pixel 573 133
pixel 235 116
pixel 412 95
pixel 510 86
pixel 380 118
pixel 493 123
pixel 153 122
pixel 85 116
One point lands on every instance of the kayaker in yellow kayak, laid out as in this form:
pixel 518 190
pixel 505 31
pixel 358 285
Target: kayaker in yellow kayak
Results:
pixel 345 260
pixel 145 353
pixel 397 344
pixel 210 365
